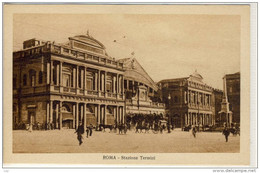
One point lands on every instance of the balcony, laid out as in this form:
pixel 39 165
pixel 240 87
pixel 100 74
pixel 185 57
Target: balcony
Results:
pixel 57 49
pixel 199 107
pixel 85 56
pixel 33 90
pixel 82 92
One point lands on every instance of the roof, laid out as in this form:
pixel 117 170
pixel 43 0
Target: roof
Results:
pixel 193 77
pixel 173 80
pixel 88 40
pixel 234 75
pixel 134 71
pixel 196 75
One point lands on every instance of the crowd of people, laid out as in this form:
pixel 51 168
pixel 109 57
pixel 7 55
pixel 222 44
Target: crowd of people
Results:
pixel 138 125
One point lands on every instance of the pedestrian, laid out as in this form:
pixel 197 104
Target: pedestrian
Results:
pixel 194 131
pixel 161 128
pixel 79 132
pixel 30 127
pixel 89 130
pixel 226 133
pixel 169 127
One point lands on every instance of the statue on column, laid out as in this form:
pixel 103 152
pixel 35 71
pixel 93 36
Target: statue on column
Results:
pixel 225 114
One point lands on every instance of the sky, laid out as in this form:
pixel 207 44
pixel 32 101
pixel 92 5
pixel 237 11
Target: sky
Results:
pixel 166 45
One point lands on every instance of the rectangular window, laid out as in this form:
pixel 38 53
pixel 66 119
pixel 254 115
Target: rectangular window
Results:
pixel 109 83
pixel 40 77
pixel 66 80
pixel 109 86
pixel 89 85
pixel 33 80
pixel 24 80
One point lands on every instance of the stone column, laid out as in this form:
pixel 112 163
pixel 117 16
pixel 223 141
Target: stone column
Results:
pixel 196 98
pixel 60 115
pixel 114 84
pixel 204 101
pixel 84 117
pixel 102 83
pixel 81 78
pixel 99 82
pixel 185 119
pixel 58 74
pixel 51 111
pixel 57 115
pixel 85 80
pixel 77 77
pixel 47 113
pixel 51 72
pixel 209 100
pixel 105 82
pixel 61 78
pixel 77 115
pixel 196 118
pixel 188 118
pixel 133 85
pixel 127 84
pixel 118 114
pixel 114 112
pixel 98 114
pixel 48 73
pixel 188 96
pixel 81 113
pixel 96 82
pixel 122 85
pixel 192 119
pixel 117 82
pixel 105 114
pixel 123 114
pixel 74 115
pixel 74 77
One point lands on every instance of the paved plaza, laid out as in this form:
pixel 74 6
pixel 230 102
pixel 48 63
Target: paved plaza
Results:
pixel 65 141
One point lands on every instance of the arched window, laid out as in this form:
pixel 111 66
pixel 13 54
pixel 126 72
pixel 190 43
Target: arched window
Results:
pixel 32 77
pixel 24 80
pixel 40 77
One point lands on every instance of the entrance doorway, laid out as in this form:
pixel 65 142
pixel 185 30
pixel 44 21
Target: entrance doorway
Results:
pixel 31 117
pixel 176 121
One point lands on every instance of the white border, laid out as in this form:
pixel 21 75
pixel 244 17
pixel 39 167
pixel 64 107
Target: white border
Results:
pixel 253 77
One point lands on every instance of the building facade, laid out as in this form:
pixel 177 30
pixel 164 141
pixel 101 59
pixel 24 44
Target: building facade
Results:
pixel 188 101
pixel 60 85
pixel 233 95
pixel 216 101
pixel 140 91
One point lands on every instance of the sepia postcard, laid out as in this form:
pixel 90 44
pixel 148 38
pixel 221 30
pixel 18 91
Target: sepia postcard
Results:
pixel 129 85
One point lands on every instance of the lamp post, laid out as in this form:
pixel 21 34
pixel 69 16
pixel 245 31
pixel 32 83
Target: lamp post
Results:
pixel 169 114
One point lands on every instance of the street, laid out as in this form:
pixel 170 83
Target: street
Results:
pixel 65 141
